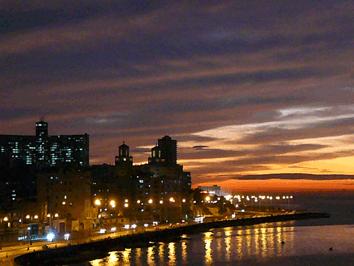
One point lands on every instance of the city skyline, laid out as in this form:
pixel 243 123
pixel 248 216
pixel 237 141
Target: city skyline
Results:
pixel 246 89
pixel 23 147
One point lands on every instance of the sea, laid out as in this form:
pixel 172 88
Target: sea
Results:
pixel 328 241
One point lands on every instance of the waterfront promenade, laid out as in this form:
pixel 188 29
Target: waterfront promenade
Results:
pixel 100 247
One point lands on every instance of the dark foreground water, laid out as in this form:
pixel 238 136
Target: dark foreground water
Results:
pixel 314 242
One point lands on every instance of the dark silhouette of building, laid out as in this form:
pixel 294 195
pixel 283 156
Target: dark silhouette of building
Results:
pixel 17 183
pixel 165 152
pixel 44 151
pixel 156 191
pixel 168 147
pixel 123 155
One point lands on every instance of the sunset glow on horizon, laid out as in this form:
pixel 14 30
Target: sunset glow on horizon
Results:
pixel 283 185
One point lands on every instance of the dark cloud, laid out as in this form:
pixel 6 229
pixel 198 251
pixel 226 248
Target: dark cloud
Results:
pixel 200 152
pixel 199 147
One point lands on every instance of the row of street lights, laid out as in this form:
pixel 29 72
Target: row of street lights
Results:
pixel 113 204
pixel 29 217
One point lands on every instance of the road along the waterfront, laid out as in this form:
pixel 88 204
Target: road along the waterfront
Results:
pixel 100 248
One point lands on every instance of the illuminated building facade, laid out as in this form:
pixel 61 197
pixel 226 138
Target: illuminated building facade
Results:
pixel 43 151
pixel 65 200
pixel 215 190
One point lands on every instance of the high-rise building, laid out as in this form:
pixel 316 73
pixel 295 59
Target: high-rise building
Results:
pixel 41 143
pixel 168 147
pixel 41 129
pixel 165 152
pixel 43 150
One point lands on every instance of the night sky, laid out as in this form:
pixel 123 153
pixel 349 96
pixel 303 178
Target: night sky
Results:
pixel 246 87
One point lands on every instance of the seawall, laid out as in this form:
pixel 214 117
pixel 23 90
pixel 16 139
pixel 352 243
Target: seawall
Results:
pixel 96 249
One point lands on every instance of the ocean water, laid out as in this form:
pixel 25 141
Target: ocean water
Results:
pixel 311 242
pixel 339 204
pixel 267 244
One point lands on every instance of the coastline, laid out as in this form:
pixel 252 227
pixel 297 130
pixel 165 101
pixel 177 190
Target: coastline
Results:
pixel 100 248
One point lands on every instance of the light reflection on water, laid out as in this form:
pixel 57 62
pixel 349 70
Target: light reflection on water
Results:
pixel 227 239
pixel 184 252
pixel 233 244
pixel 150 254
pixel 172 252
pixel 208 238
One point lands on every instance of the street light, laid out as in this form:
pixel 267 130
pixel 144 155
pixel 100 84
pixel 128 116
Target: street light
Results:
pixel 112 203
pixel 50 236
pixel 183 200
pixel 161 201
pixel 150 201
pixel 171 199
pixel 6 219
pixel 97 202
pixel 126 205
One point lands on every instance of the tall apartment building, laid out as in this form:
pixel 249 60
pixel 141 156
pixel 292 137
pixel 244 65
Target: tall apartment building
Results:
pixel 44 151
pixel 165 152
